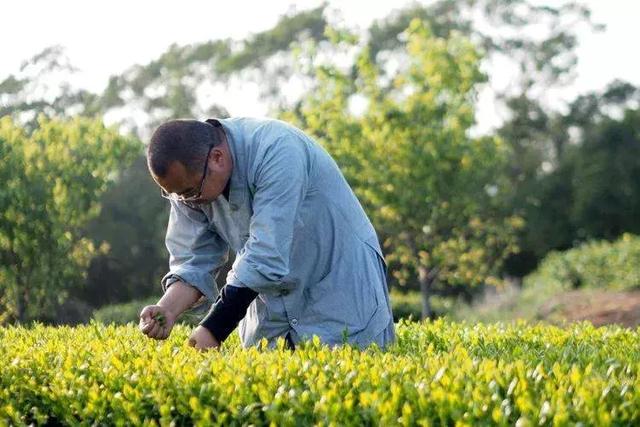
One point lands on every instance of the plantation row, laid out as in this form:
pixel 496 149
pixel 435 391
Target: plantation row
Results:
pixel 437 373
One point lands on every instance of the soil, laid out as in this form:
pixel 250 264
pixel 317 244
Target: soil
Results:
pixel 598 307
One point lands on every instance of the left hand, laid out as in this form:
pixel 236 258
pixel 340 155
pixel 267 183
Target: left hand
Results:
pixel 202 339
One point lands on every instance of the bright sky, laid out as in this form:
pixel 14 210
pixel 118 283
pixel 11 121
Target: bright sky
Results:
pixel 106 38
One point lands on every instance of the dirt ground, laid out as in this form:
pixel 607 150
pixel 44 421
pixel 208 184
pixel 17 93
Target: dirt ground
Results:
pixel 601 308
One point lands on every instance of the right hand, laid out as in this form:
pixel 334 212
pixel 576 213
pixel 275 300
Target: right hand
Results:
pixel 152 323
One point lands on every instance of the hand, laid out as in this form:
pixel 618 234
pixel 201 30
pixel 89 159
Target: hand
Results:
pixel 156 322
pixel 202 339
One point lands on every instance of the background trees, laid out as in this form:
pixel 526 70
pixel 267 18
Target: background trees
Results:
pixel 434 193
pixel 584 186
pixel 53 179
pixel 396 108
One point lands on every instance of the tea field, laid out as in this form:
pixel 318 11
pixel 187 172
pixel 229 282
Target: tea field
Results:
pixel 438 373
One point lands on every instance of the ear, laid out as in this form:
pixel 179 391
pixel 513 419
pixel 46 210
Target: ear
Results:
pixel 217 155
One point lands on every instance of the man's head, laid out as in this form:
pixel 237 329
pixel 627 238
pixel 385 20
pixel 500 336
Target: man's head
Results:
pixel 190 159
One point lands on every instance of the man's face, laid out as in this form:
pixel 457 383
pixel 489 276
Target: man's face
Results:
pixel 182 182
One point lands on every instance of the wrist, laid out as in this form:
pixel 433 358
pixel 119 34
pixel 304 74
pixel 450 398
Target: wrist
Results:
pixel 170 310
pixel 178 298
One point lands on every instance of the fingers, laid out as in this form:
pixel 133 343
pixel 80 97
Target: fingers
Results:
pixel 194 342
pixel 164 333
pixel 155 330
pixel 151 328
pixel 200 340
pixel 146 314
pixel 147 326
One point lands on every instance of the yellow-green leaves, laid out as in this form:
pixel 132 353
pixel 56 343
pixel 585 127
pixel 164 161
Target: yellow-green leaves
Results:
pixel 438 373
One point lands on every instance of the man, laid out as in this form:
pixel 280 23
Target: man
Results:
pixel 308 261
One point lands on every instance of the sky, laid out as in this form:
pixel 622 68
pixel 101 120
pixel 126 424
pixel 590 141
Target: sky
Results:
pixel 106 38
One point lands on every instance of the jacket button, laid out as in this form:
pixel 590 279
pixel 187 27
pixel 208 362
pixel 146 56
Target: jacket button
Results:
pixel 284 292
pixel 294 321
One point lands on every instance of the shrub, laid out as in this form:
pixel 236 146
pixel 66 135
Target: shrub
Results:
pixel 406 305
pixel 438 373
pixel 597 264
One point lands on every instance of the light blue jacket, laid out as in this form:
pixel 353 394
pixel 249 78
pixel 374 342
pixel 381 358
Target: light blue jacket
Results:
pixel 301 238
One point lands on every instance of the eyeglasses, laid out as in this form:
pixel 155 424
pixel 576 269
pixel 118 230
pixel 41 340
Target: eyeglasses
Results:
pixel 190 196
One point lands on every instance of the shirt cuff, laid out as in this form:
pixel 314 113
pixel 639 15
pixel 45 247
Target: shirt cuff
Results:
pixel 244 276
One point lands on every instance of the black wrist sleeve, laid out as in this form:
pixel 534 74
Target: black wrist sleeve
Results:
pixel 228 310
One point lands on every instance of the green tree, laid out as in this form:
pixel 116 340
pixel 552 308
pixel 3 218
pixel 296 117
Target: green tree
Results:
pixel 539 39
pixel 170 86
pixel 433 192
pixel 606 179
pixel 133 222
pixel 588 189
pixel 52 180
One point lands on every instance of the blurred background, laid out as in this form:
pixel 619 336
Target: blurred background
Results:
pixel 495 144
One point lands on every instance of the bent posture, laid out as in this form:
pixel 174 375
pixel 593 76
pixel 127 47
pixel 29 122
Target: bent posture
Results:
pixel 308 261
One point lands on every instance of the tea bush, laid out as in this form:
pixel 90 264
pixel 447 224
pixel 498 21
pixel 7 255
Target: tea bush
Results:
pixel 437 373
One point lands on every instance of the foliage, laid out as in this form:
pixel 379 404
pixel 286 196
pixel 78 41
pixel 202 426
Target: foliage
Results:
pixel 591 268
pixel 595 264
pixel 170 86
pixel 176 84
pixel 133 222
pixel 574 174
pixel 433 192
pixel 43 86
pixel 52 182
pixel 406 305
pixel 605 196
pixel 540 40
pixel 437 373
pixel 167 87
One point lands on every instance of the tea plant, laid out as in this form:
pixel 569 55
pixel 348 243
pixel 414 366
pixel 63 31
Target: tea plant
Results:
pixel 437 373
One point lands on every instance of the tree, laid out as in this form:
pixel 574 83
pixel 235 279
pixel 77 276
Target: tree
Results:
pixel 588 189
pixel 432 191
pixel 132 221
pixel 172 86
pixel 52 180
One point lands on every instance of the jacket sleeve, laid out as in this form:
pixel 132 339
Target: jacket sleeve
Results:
pixel 196 252
pixel 280 183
